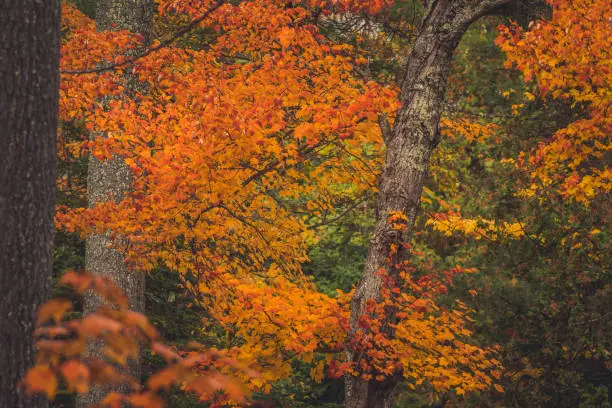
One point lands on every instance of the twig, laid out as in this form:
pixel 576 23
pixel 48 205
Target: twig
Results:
pixel 181 32
pixel 348 210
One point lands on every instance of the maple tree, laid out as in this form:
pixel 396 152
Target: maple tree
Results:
pixel 568 177
pixel 569 58
pixel 268 122
pixel 528 213
pixel 410 142
pixel 253 130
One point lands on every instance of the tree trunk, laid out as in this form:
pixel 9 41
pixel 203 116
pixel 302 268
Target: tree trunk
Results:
pixel 111 179
pixel 410 143
pixel 29 89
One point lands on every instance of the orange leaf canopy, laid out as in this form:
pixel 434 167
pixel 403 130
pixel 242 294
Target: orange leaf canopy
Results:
pixel 569 57
pixel 238 142
pixel 236 145
pixel 233 143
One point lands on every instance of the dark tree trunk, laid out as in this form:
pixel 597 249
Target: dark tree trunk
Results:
pixel 410 143
pixel 29 89
pixel 111 179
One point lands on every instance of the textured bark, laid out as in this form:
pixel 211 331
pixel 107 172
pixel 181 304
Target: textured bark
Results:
pixel 111 180
pixel 410 143
pixel 29 89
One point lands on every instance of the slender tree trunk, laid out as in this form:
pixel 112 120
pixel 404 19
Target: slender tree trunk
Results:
pixel 410 143
pixel 29 89
pixel 111 179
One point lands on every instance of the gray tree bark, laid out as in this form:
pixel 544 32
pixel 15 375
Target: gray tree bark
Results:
pixel 29 89
pixel 410 143
pixel 111 179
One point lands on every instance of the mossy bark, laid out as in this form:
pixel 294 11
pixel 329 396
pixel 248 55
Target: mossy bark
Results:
pixel 410 144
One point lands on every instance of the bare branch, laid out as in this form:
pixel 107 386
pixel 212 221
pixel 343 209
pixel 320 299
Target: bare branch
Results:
pixel 347 211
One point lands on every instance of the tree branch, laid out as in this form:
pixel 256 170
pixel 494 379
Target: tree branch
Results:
pixel 385 127
pixel 181 32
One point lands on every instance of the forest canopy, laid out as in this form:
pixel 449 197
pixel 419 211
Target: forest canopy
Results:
pixel 333 203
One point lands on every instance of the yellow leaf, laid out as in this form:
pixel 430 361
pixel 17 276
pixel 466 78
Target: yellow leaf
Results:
pixel 317 373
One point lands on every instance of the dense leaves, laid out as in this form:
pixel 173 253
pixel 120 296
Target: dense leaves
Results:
pixel 255 146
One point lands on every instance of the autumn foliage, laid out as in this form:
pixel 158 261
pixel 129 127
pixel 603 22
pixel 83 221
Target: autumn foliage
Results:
pixel 246 134
pixel 62 342
pixel 569 58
